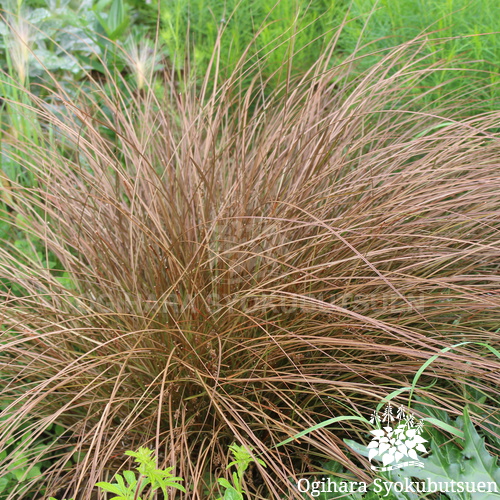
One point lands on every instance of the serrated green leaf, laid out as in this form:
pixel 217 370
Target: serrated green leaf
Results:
pixel 112 488
pixel 224 482
pixel 446 463
pixel 130 477
pixel 232 494
pixel 479 463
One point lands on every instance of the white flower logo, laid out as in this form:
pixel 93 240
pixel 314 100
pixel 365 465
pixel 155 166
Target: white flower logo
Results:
pixel 392 444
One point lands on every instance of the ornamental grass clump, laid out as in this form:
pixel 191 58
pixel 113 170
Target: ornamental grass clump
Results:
pixel 242 265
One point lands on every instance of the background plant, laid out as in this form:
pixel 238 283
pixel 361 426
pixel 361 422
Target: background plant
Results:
pixel 149 475
pixel 26 465
pixel 263 33
pixel 242 460
pixel 462 36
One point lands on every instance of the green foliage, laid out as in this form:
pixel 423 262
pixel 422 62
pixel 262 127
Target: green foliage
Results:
pixel 450 460
pixel 466 460
pixel 242 459
pixel 67 38
pixel 128 487
pixel 461 33
pixel 117 20
pixel 56 36
pixel 15 235
pixel 22 470
pixel 24 449
pixel 269 30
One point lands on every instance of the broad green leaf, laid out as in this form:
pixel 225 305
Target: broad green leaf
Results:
pixel 478 462
pixel 448 462
pixel 4 482
pixel 358 448
pixel 116 15
pixel 33 472
pixel 120 29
